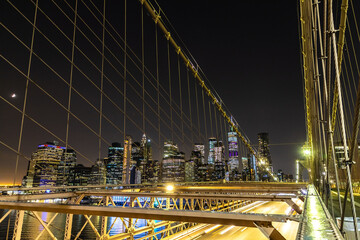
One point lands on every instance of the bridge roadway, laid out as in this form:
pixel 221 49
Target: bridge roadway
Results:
pixel 220 232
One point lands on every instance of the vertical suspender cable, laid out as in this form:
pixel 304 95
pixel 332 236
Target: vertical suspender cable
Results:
pixel 211 125
pixel 181 106
pixel 102 79
pixel 318 97
pixel 125 72
pixel 70 85
pixel 216 124
pixel 190 110
pixel 170 97
pixel 343 133
pixel 205 127
pixel 326 105
pixel 143 68
pixel 197 110
pixel 26 91
pixel 157 84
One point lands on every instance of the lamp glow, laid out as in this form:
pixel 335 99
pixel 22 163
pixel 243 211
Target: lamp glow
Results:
pixel 307 152
pixel 169 188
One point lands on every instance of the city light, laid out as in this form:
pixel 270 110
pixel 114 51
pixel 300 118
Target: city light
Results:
pixel 169 188
pixel 13 95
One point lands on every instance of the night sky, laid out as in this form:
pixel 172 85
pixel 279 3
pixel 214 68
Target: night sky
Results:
pixel 248 50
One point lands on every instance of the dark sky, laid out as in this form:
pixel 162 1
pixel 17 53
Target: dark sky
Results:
pixel 248 50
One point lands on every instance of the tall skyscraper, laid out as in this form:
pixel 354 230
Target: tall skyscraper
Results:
pixel 128 162
pixel 264 153
pixel 149 168
pixel 68 161
pixel 43 167
pixel 195 169
pixel 199 147
pixel 114 164
pixel 211 158
pixel 233 152
pixel 173 163
pixel 137 162
pixel 220 165
pixel 190 169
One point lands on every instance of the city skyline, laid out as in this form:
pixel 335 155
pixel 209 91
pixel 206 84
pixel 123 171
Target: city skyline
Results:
pixel 132 163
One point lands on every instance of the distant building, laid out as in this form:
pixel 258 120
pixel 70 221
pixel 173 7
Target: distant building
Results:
pixel 80 175
pixel 149 167
pixel 190 170
pixel 68 161
pixel 264 150
pixel 128 161
pixel 250 171
pixel 173 163
pixel 234 163
pixel 114 164
pixel 43 167
pixel 220 166
pixel 98 173
pixel 280 175
pixel 199 147
pixel 137 163
pixel 211 157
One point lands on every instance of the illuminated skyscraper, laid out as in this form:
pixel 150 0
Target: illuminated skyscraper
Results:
pixel 211 158
pixel 149 168
pixel 220 166
pixel 190 169
pixel 127 162
pixel 199 147
pixel 233 151
pixel 114 164
pixel 195 168
pixel 43 167
pixel 68 161
pixel 264 154
pixel 137 161
pixel 173 163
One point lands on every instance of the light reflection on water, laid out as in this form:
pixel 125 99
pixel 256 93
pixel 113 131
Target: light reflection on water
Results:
pixel 32 226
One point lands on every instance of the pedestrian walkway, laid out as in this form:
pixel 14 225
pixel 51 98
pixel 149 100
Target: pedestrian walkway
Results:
pixel 319 224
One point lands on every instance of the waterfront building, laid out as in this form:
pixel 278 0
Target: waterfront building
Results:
pixel 199 147
pixel 127 162
pixel 220 164
pixel 67 162
pixel 211 157
pixel 173 163
pixel 114 164
pixel 149 168
pixel 264 152
pixel 234 162
pixel 80 175
pixel 43 166
pixel 98 173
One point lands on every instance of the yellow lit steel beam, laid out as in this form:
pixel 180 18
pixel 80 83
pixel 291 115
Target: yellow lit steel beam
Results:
pixel 340 50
